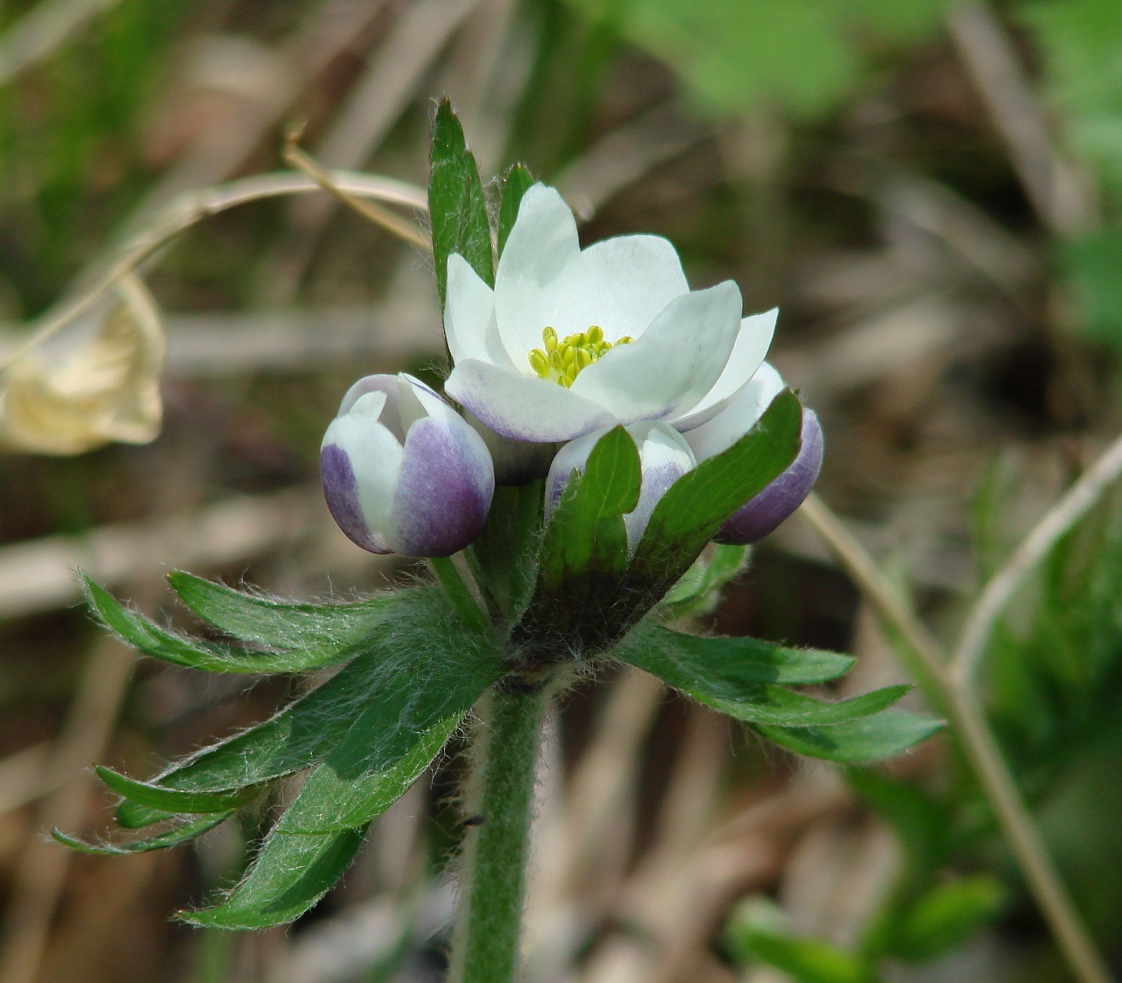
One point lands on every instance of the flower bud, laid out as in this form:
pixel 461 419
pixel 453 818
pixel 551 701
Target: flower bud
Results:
pixel 402 472
pixel 767 510
pixel 663 458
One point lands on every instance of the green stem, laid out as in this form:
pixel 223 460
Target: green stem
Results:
pixel 486 943
pixel 458 591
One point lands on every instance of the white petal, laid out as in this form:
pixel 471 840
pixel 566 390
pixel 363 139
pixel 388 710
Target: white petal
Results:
pixel 664 457
pixel 541 252
pixel 747 356
pixel 469 316
pixel 632 278
pixel 522 407
pixel 375 457
pixel 736 419
pixel 674 364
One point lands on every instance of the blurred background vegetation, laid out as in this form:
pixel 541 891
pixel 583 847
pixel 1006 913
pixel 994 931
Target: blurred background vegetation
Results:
pixel 932 193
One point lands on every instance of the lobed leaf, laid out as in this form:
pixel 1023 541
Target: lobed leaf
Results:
pixel 144 634
pixel 456 204
pixel 880 735
pixel 289 875
pixel 282 625
pixel 722 665
pixel 181 833
pixel 174 801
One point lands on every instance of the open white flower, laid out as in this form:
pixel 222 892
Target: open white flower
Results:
pixel 573 340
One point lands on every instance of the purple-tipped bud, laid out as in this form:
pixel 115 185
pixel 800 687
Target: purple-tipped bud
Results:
pixel 663 458
pixel 763 514
pixel 403 472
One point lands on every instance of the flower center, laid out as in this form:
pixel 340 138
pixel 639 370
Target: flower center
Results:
pixel 561 360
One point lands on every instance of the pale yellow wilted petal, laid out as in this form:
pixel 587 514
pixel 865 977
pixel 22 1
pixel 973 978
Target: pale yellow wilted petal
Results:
pixel 107 390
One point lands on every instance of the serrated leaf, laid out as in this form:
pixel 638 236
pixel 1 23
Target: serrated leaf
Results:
pixel 289 874
pixel 880 735
pixel 725 665
pixel 518 181
pixel 181 833
pixel 456 205
pixel 172 800
pixel 283 625
pixel 140 632
pixel 690 513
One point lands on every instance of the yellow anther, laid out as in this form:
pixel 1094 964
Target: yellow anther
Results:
pixel 561 361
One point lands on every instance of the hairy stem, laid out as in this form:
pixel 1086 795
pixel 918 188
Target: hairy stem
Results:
pixel 486 943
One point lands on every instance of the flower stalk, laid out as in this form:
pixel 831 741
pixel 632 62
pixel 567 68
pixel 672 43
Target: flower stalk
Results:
pixel 497 841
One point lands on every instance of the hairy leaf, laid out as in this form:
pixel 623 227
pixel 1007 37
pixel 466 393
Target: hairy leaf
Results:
pixel 880 735
pixel 456 205
pixel 169 646
pixel 289 875
pixel 283 625
pixel 725 666
pixel 180 833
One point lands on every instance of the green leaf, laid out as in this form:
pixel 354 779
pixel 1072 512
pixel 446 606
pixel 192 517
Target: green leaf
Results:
pixel 172 800
pixel 774 705
pixel 140 632
pixel 947 916
pixel 282 625
pixel 396 735
pixel 723 665
pixel 181 833
pixel 331 802
pixel 699 589
pixel 518 181
pixel 456 205
pixel 289 875
pixel 691 512
pixel 397 667
pixel 586 537
pixel 880 735
pixel 757 933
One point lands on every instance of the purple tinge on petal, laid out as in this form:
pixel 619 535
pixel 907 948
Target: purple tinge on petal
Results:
pixel 445 489
pixel 783 496
pixel 341 491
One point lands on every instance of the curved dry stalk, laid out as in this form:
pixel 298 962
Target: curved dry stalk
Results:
pixel 195 207
pixel 1057 521
pixel 969 727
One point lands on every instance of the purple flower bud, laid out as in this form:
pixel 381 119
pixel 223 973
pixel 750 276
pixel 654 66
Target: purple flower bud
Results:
pixel 763 514
pixel 402 472
pixel 663 458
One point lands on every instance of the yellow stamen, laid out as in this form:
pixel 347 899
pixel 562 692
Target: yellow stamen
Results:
pixel 561 361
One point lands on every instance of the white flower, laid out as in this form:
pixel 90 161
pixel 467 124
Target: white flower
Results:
pixel 572 341
pixel 663 458
pixel 403 472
